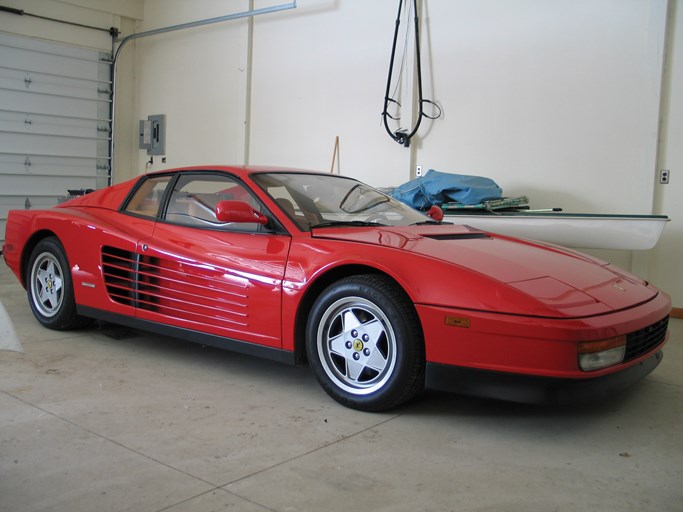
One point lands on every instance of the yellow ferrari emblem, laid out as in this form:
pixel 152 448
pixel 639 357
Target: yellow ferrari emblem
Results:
pixel 357 345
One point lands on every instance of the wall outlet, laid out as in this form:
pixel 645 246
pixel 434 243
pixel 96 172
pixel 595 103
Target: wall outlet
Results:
pixel 664 176
pixel 418 171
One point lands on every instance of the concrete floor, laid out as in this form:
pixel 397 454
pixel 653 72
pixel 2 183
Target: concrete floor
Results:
pixel 111 420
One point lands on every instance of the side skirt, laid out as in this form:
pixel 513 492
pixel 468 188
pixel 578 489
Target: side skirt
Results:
pixel 242 347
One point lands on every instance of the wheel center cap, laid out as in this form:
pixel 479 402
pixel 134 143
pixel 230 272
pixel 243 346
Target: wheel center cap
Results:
pixel 357 345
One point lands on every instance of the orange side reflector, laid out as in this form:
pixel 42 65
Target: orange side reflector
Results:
pixel 456 321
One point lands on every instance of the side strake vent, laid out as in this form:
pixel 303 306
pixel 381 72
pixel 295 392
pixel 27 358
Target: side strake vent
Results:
pixel 119 268
pixel 175 289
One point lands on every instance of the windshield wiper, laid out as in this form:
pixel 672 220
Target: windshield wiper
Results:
pixel 335 223
pixel 430 222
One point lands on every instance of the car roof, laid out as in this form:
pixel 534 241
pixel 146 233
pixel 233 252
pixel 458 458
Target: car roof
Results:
pixel 238 170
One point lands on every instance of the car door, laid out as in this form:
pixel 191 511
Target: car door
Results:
pixel 205 275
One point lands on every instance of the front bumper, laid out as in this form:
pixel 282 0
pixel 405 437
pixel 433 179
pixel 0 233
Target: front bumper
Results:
pixel 545 347
pixel 534 389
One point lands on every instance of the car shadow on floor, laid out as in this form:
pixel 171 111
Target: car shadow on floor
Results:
pixel 428 404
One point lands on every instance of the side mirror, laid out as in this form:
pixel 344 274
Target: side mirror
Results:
pixel 435 213
pixel 238 211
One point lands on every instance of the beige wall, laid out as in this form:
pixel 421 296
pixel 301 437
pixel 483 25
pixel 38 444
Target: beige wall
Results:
pixel 320 72
pixel 666 260
pixel 556 99
pixel 198 78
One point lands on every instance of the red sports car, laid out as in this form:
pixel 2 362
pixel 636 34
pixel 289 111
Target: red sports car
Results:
pixel 380 299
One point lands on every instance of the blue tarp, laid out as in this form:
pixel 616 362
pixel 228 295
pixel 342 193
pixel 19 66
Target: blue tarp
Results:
pixel 440 187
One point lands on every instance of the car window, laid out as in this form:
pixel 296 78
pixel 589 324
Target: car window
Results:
pixel 195 196
pixel 147 198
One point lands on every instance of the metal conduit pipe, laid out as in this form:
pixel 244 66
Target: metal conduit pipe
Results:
pixel 181 26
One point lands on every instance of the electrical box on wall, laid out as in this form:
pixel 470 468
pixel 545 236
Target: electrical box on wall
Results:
pixel 153 134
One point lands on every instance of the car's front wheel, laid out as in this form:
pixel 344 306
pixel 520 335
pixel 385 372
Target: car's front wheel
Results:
pixel 49 287
pixel 364 343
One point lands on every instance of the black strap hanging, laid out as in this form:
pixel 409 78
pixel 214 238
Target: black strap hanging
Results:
pixel 401 135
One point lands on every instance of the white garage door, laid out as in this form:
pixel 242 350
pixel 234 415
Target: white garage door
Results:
pixel 55 122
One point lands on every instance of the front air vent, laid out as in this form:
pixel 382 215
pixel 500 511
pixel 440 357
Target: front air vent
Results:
pixel 642 341
pixel 457 236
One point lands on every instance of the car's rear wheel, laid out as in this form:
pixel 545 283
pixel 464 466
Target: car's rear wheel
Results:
pixel 50 288
pixel 364 343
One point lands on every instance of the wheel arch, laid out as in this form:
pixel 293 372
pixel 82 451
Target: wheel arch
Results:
pixel 28 250
pixel 314 290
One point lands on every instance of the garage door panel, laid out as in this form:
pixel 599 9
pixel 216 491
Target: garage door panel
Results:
pixel 32 124
pixel 27 43
pixel 49 58
pixel 17 80
pixel 25 101
pixel 8 203
pixel 19 122
pixel 39 166
pixel 48 186
pixel 47 145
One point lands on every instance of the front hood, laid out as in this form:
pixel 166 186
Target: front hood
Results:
pixel 570 283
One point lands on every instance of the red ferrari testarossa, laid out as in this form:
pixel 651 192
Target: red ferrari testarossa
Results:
pixel 380 299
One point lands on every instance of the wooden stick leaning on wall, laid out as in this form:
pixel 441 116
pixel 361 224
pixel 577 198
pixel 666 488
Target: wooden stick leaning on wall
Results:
pixel 335 157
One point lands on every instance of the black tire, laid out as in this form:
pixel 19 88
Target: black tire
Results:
pixel 365 344
pixel 50 288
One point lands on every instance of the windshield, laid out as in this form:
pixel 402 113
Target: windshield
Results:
pixel 319 200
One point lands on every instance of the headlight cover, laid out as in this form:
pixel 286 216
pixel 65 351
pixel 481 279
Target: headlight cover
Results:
pixel 595 355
